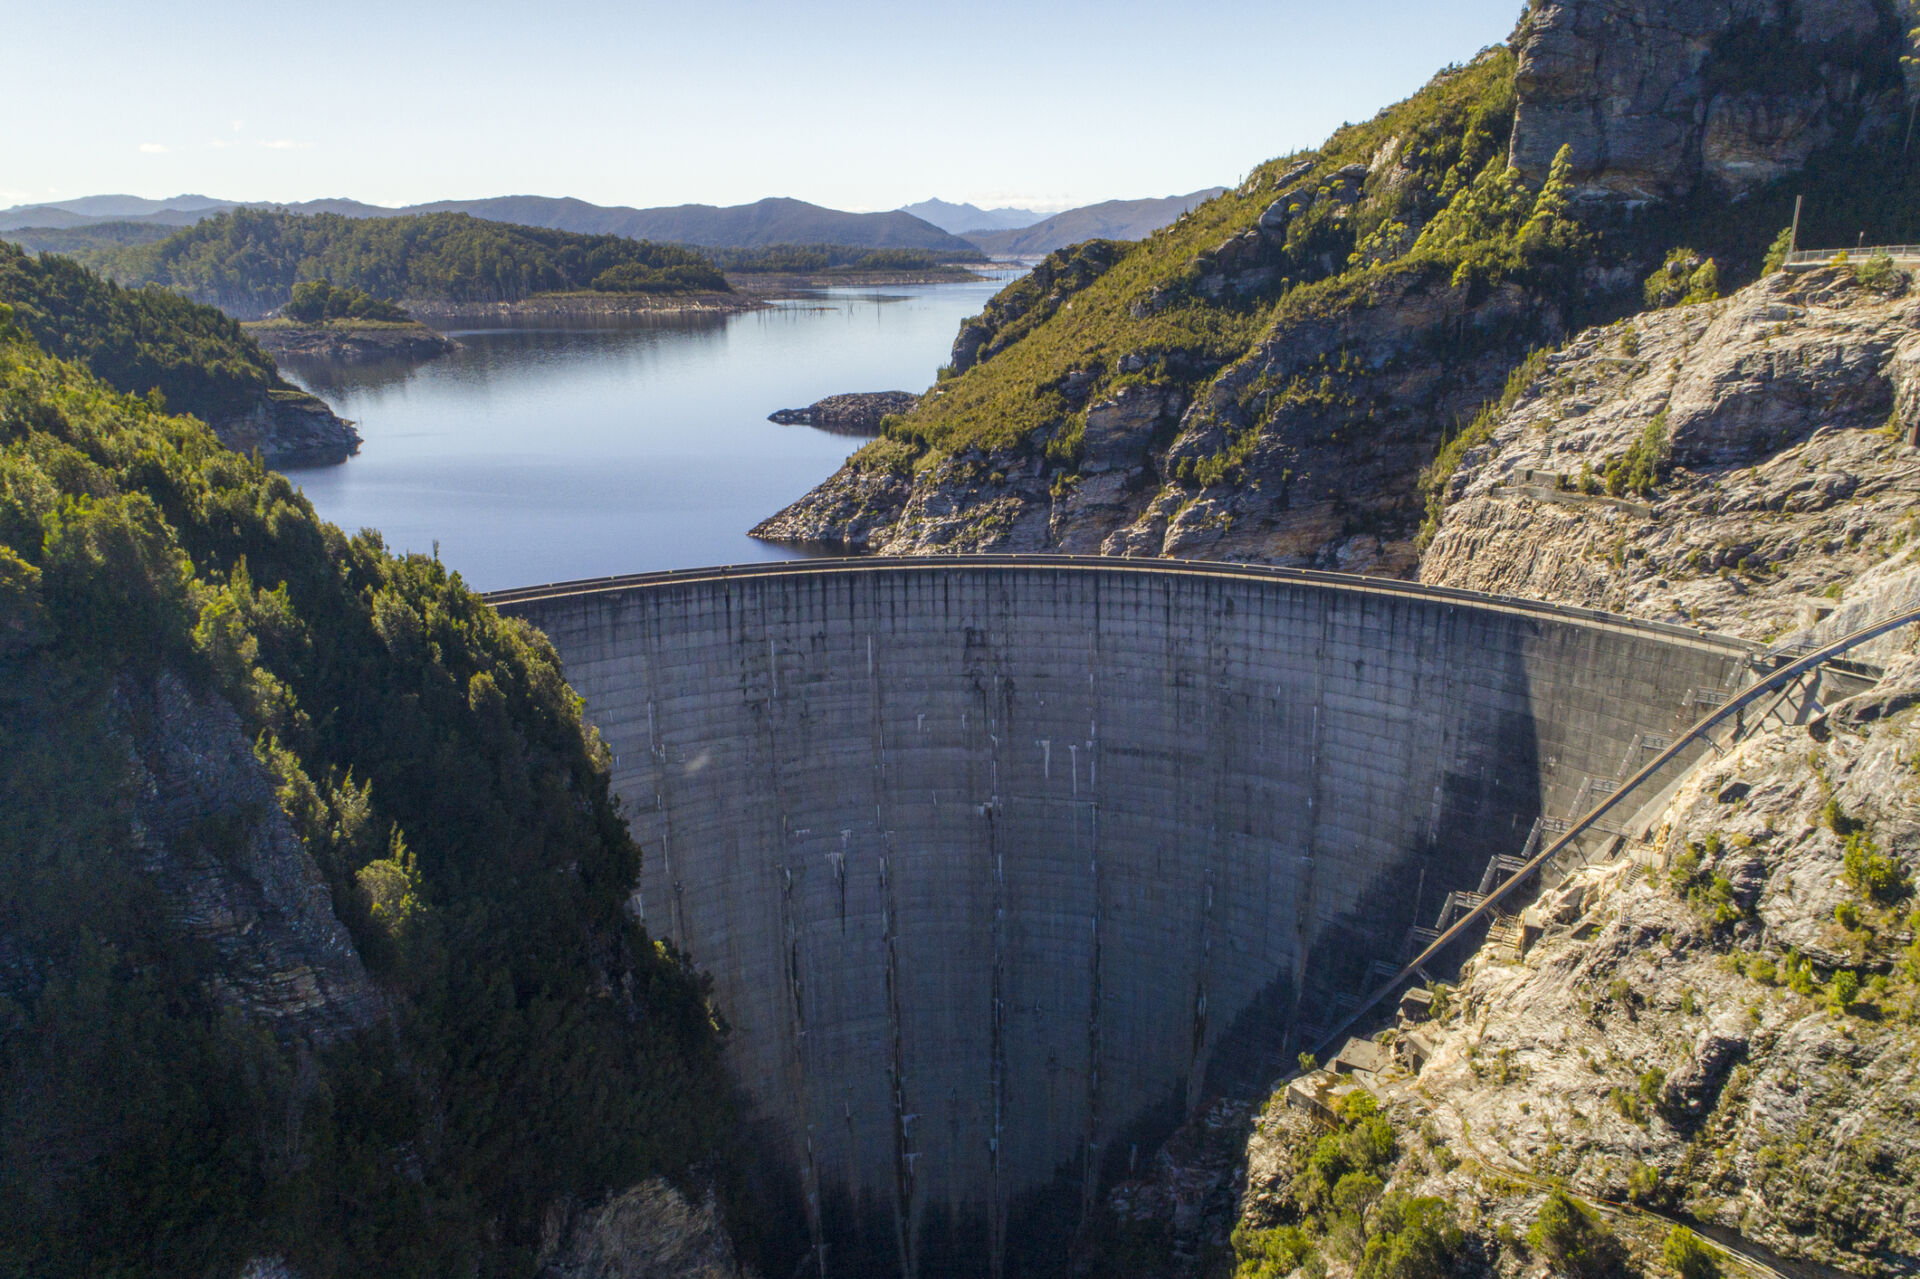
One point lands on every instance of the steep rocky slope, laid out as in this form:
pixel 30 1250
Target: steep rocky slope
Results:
pixel 1774 431
pixel 1265 379
pixel 1718 1026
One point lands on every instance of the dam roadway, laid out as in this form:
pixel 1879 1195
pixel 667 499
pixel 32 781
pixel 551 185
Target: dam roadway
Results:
pixel 1000 863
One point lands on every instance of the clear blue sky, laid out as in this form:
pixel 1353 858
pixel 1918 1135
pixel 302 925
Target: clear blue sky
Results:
pixel 847 103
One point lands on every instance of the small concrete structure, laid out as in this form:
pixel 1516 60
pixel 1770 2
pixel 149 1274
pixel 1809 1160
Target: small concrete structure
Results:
pixel 1416 1004
pixel 1362 1055
pixel 1319 1093
pixel 991 859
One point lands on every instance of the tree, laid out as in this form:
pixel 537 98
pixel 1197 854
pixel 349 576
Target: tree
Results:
pixel 1689 1256
pixel 1576 1241
pixel 1551 227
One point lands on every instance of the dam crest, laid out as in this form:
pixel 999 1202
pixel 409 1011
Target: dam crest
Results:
pixel 1001 864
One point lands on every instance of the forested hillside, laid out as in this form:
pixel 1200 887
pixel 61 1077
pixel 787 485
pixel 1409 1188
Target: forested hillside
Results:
pixel 247 261
pixel 314 944
pixel 1266 378
pixel 199 360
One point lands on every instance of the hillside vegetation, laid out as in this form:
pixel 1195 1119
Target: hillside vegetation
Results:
pixel 139 340
pixel 247 261
pixel 1266 377
pixel 226 730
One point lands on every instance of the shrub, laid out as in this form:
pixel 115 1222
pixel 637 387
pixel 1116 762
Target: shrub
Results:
pixel 1644 465
pixel 1411 1239
pixel 1684 278
pixel 1843 990
pixel 1872 873
pixel 1269 1254
pixel 885 456
pixel 1688 1255
pixel 1879 274
pixel 1575 1240
pixel 1778 250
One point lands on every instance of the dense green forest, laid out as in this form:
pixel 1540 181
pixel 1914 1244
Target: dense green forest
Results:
pixel 532 1041
pixel 75 241
pixel 317 302
pixel 801 259
pixel 139 340
pixel 247 261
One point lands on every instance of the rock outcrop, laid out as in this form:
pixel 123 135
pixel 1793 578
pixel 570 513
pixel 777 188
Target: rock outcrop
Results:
pixel 855 413
pixel 1786 415
pixel 237 876
pixel 290 429
pixel 1672 1043
pixel 649 1231
pixel 343 342
pixel 1304 452
pixel 1658 100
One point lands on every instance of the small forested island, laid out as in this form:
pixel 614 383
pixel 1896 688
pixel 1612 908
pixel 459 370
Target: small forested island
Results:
pixel 247 262
pixel 346 325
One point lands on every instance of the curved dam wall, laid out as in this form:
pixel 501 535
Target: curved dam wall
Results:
pixel 993 861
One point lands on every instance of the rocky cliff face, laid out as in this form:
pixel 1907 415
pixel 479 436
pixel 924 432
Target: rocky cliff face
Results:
pixel 1783 419
pixel 211 830
pixel 1659 100
pixel 290 429
pixel 649 1231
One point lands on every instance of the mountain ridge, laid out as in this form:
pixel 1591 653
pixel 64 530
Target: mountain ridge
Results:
pixel 1107 220
pixel 774 220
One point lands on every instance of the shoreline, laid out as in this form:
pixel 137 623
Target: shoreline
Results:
pixel 785 281
pixel 584 304
pixel 348 341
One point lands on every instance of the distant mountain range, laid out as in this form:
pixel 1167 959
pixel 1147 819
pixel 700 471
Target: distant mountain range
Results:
pixel 1112 220
pixel 765 222
pixel 963 218
pixel 936 226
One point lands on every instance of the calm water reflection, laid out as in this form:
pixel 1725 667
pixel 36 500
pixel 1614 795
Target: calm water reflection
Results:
pixel 537 454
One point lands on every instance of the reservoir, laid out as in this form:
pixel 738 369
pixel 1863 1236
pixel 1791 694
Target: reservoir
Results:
pixel 581 448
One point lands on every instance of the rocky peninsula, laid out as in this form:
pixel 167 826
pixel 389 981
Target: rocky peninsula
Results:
pixel 856 413
pixel 349 341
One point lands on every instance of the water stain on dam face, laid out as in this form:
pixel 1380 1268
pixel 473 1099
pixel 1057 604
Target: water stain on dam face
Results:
pixel 996 861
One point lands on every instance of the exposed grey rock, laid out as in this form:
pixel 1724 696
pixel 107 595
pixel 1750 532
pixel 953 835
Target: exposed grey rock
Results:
pixel 1654 98
pixel 290 429
pixel 1785 489
pixel 855 413
pixel 284 958
pixel 1120 427
pixel 649 1231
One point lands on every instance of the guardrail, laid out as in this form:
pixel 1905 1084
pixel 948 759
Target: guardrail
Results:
pixel 1824 257
pixel 1148 566
pixel 1766 683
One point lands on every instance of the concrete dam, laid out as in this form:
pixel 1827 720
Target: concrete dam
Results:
pixel 999 863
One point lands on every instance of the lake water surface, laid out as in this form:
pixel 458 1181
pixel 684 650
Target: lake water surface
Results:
pixel 580 449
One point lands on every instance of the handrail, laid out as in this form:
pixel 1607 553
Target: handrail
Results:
pixel 1697 637
pixel 1733 705
pixel 1821 257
